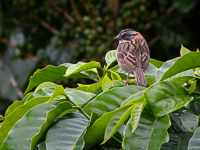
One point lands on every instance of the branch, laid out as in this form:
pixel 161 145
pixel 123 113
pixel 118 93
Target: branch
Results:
pixel 13 82
pixel 7 42
pixel 45 24
pixel 66 15
pixel 78 15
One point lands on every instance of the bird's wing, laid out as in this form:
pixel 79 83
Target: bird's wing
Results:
pixel 126 57
pixel 144 54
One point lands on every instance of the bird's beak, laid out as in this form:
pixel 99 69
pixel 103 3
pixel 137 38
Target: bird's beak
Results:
pixel 118 37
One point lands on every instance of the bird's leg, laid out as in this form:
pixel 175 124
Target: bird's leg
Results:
pixel 127 79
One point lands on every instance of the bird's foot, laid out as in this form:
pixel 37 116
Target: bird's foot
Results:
pixel 127 81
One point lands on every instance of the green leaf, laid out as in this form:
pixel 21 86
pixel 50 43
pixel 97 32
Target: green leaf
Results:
pixel 165 97
pixel 156 63
pixel 192 87
pixel 82 87
pixel 151 79
pixel 164 68
pixel 194 143
pixel 119 83
pixel 14 105
pixel 43 92
pixel 133 98
pixel 59 91
pixel 96 132
pixel 177 141
pixel 184 50
pixel 1 118
pixel 111 99
pixel 186 62
pixel 136 113
pixel 27 131
pixel 17 114
pixel 49 73
pixel 81 66
pixel 94 87
pixel 46 85
pixel 182 77
pixel 115 76
pixel 150 134
pixel 42 146
pixel 66 131
pixel 122 114
pixel 79 97
pixel 110 58
pixel 189 120
pixel 106 83
pixel 151 69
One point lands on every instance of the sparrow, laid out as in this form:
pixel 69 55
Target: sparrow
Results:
pixel 133 54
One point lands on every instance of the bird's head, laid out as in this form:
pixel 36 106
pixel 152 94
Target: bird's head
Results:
pixel 126 35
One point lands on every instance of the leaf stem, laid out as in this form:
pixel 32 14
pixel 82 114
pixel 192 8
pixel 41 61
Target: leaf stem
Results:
pixel 116 139
pixel 82 111
pixel 193 106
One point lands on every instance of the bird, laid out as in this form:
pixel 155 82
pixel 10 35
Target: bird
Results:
pixel 133 54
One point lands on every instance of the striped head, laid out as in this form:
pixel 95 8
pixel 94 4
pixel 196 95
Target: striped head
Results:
pixel 126 35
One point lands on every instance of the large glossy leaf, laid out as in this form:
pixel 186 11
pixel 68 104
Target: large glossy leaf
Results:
pixel 81 66
pixel 17 114
pixel 110 99
pixel 79 97
pixel 177 141
pixel 95 133
pixel 66 131
pixel 156 63
pixel 136 113
pixel 110 58
pixel 116 121
pixel 46 85
pixel 181 80
pixel 49 73
pixel 194 143
pixel 186 62
pixel 44 89
pixel 165 97
pixel 133 98
pixel 150 134
pixel 59 91
pixel 189 120
pixel 164 68
pixel 94 87
pixel 14 105
pixel 27 131
pixel 182 77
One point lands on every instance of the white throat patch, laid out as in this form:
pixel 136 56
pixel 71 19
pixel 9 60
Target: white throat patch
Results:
pixel 122 41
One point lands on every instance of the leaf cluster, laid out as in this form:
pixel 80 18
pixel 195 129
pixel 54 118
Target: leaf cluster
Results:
pixel 108 114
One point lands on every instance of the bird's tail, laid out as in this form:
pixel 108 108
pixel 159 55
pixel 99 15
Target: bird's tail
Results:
pixel 139 76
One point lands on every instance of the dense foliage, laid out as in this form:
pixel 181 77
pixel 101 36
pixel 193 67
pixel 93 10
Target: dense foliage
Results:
pixel 108 114
pixel 36 33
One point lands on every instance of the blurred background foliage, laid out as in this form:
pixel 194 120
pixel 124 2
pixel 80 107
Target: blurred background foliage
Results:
pixel 35 33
